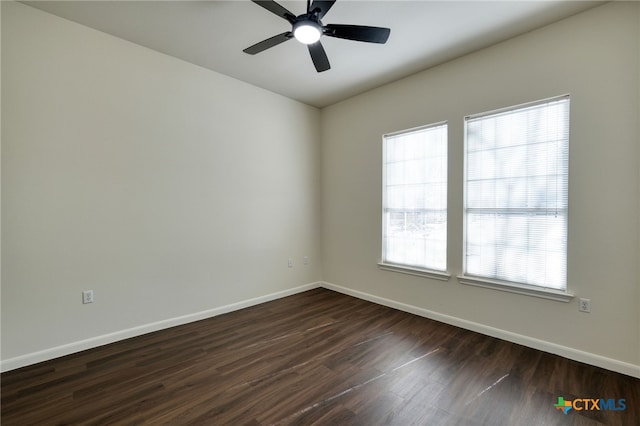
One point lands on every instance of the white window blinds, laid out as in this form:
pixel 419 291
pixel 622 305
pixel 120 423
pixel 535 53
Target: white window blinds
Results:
pixel 516 194
pixel 415 198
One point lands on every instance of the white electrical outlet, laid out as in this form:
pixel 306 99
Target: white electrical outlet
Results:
pixel 305 260
pixel 290 263
pixel 87 296
pixel 584 305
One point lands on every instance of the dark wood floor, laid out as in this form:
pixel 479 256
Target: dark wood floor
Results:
pixel 318 357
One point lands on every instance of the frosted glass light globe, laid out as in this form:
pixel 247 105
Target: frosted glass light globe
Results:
pixel 307 32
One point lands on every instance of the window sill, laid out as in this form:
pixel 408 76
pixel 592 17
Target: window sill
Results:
pixel 528 290
pixel 437 275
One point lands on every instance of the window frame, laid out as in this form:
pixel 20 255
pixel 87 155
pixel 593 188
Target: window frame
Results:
pixel 383 264
pixel 563 295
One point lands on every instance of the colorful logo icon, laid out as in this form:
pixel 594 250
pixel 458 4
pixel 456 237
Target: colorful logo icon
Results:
pixel 590 404
pixel 563 405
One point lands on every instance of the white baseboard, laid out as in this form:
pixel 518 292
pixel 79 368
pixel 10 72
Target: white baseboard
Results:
pixel 567 352
pixel 554 348
pixel 58 351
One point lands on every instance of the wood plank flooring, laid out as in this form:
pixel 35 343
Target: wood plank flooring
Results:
pixel 318 357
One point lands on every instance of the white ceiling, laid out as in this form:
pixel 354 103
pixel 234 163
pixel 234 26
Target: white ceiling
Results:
pixel 212 34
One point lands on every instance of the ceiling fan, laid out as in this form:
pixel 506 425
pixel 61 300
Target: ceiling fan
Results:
pixel 308 28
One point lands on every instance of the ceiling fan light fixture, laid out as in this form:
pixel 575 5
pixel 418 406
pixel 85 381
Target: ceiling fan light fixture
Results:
pixel 308 29
pixel 307 32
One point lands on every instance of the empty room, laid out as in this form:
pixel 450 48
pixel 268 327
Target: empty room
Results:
pixel 320 212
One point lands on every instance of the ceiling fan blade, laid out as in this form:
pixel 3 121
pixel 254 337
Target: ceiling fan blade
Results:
pixel 322 6
pixel 358 33
pixel 270 42
pixel 276 9
pixel 319 56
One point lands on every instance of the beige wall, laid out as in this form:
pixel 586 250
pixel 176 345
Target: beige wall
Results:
pixel 592 56
pixel 166 188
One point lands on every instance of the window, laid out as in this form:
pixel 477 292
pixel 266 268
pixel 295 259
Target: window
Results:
pixel 516 194
pixel 414 219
